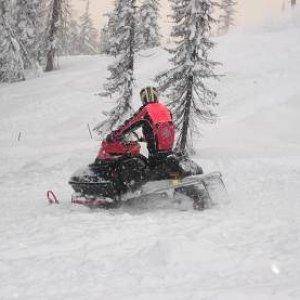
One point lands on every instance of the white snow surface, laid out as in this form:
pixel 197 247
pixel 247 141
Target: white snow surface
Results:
pixel 248 248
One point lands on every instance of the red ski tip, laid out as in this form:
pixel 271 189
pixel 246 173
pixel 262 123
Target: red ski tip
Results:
pixel 52 199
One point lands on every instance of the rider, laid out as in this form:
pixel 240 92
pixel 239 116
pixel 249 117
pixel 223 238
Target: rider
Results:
pixel 157 124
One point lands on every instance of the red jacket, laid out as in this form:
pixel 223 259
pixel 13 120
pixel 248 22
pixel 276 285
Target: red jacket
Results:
pixel 158 128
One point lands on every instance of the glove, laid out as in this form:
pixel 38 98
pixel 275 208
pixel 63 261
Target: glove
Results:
pixel 111 137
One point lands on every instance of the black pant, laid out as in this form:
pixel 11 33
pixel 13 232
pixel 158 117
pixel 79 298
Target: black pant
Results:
pixel 157 159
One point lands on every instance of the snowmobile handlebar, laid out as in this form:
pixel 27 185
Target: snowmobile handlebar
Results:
pixel 126 138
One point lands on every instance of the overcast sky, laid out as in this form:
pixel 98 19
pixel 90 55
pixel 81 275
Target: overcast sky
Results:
pixel 249 11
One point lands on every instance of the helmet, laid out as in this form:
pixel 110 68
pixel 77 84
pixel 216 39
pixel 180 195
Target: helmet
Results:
pixel 149 95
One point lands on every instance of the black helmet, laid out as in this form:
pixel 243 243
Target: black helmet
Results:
pixel 149 95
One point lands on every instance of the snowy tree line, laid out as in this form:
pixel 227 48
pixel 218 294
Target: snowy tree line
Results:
pixel 186 84
pixel 34 32
pixel 147 16
pixel 146 26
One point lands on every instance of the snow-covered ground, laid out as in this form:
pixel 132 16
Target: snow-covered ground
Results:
pixel 246 249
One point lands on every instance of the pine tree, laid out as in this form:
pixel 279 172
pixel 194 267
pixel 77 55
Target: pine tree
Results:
pixel 104 40
pixel 52 39
pixel 64 31
pixel 42 30
pixel 88 34
pixel 110 40
pixel 11 62
pixel 227 16
pixel 186 82
pixel 148 29
pixel 121 80
pixel 107 38
pixel 27 24
pixel 58 27
pixel 73 34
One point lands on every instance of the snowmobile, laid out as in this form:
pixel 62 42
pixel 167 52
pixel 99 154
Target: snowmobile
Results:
pixel 120 173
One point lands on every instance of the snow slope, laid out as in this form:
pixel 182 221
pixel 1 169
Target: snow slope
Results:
pixel 246 249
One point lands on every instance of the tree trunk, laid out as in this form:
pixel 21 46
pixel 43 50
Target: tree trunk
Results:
pixel 293 2
pixel 186 116
pixel 131 52
pixel 56 11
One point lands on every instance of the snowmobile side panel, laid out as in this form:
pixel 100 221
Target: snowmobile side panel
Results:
pixel 170 185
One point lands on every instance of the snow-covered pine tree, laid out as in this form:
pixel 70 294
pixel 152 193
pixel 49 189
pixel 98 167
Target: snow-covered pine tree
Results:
pixel 227 15
pixel 88 34
pixel 116 21
pixel 185 83
pixel 104 40
pixel 42 30
pixel 26 15
pixel 63 36
pixel 121 79
pixel 148 29
pixel 107 38
pixel 52 38
pixel 73 33
pixel 57 26
pixel 11 62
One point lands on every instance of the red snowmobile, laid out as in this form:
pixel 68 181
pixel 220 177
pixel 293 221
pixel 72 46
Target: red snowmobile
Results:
pixel 121 173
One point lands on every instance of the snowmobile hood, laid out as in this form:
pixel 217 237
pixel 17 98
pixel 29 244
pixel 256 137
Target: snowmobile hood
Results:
pixel 111 150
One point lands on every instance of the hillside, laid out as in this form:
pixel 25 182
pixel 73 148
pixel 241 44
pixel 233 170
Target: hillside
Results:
pixel 245 249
